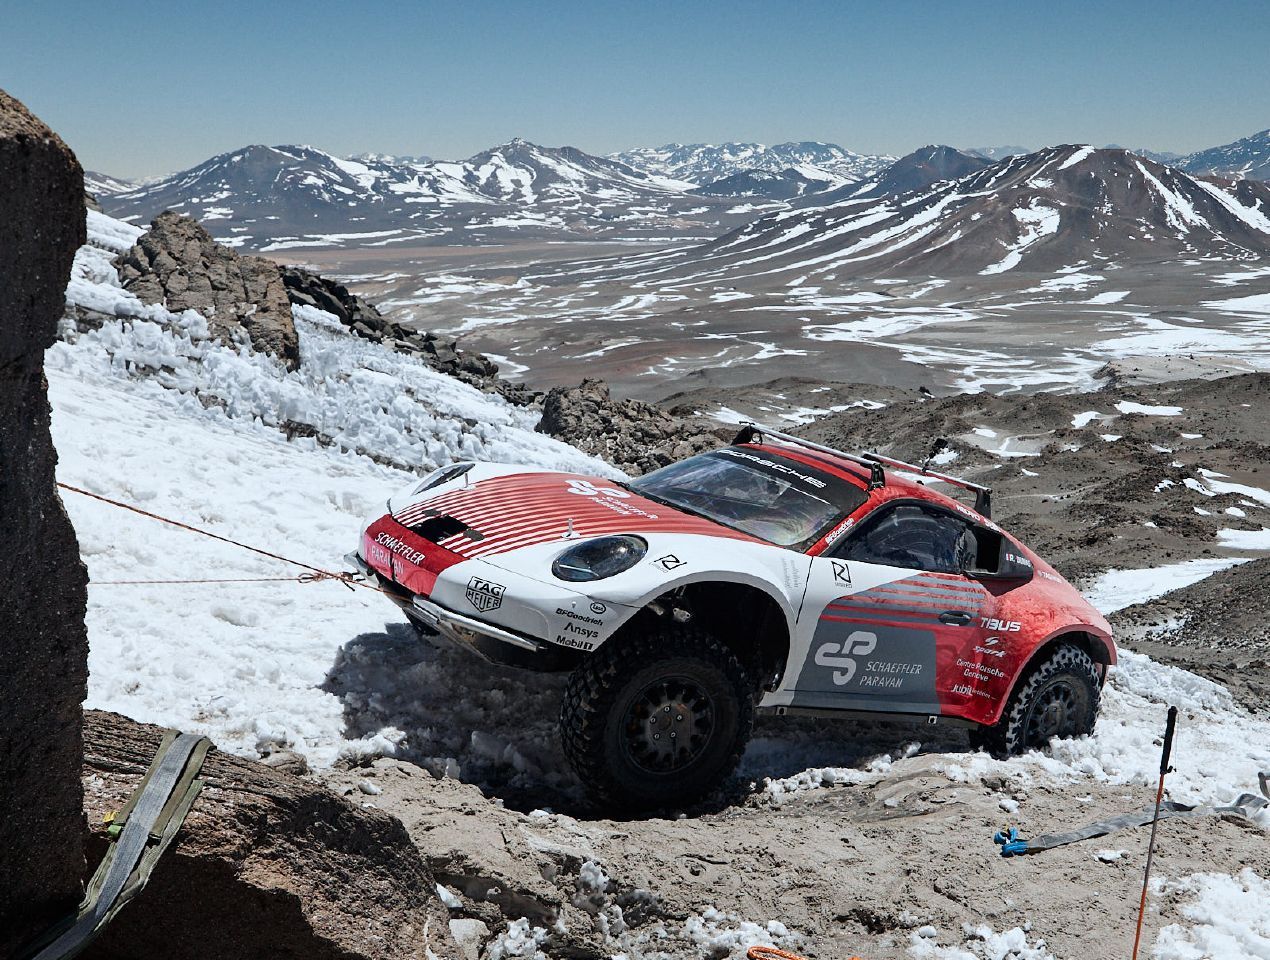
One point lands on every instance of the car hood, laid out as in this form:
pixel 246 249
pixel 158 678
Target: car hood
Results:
pixel 503 513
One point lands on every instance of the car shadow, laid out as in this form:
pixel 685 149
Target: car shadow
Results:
pixel 454 715
pixel 494 727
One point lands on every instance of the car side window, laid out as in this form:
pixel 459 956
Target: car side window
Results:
pixel 913 537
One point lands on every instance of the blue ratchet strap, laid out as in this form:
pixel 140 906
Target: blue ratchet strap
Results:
pixel 1012 845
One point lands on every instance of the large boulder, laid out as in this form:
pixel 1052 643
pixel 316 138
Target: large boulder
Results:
pixel 266 865
pixel 43 584
pixel 630 434
pixel 179 265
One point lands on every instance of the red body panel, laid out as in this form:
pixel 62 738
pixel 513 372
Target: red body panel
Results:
pixel 405 557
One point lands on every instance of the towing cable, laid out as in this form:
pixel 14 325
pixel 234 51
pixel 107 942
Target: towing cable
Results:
pixel 314 574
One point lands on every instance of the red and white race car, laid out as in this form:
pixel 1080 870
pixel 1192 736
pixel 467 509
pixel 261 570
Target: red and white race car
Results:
pixel 773 574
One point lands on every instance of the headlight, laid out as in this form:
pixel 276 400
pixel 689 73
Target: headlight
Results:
pixel 599 558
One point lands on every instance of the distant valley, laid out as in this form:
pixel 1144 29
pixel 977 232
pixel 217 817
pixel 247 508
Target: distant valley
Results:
pixel 720 267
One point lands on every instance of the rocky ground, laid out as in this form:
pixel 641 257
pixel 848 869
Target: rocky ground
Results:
pixel 883 869
pixel 1218 628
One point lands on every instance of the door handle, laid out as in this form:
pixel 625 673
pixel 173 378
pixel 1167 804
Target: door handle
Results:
pixel 958 618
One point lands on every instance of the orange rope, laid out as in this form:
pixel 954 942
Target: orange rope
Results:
pixel 775 953
pixel 315 574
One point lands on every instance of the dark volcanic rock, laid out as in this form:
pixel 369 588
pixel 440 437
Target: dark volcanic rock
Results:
pixel 630 434
pixel 362 318
pixel 266 865
pixel 44 650
pixel 179 265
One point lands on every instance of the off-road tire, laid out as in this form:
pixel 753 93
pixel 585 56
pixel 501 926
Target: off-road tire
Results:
pixel 597 716
pixel 1068 672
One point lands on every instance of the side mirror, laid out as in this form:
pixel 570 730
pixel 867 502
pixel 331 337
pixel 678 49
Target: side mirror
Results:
pixel 996 557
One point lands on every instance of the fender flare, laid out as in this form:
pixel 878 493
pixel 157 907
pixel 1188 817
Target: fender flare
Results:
pixel 1104 652
pixel 782 602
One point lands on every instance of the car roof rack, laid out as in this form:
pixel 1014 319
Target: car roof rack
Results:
pixel 749 431
pixel 874 461
pixel 983 495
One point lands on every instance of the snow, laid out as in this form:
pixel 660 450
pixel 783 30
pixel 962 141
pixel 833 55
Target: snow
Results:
pixel 1128 406
pixel 1081 420
pixel 979 943
pixel 1108 297
pixel 1226 918
pixel 1117 589
pixel 1077 157
pixel 1036 222
pixel 1256 305
pixel 151 411
pixel 1245 539
pixel 1178 210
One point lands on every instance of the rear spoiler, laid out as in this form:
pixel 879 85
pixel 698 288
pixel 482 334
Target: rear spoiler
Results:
pixel 874 462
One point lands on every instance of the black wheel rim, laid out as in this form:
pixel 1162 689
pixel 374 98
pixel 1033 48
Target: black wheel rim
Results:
pixel 1058 711
pixel 668 725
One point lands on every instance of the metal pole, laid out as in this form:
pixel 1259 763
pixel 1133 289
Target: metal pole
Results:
pixel 1170 726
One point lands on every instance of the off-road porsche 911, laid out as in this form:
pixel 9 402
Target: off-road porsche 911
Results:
pixel 772 575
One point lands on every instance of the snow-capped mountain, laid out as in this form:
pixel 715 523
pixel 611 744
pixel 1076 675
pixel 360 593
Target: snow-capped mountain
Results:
pixel 1044 211
pixel 788 184
pixel 917 170
pixel 523 172
pixel 273 198
pixel 100 184
pixel 703 163
pixel 1249 157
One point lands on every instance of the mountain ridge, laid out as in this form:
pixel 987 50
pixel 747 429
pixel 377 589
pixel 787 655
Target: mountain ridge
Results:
pixel 1044 211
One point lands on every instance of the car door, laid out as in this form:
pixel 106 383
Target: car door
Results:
pixel 889 622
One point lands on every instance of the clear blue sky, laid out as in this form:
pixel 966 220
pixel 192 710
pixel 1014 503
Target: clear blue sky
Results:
pixel 147 88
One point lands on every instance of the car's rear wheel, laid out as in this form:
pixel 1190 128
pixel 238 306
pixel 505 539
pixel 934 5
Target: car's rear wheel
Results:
pixel 1058 698
pixel 657 719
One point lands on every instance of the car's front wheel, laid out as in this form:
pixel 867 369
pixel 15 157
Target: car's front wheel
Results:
pixel 1057 698
pixel 656 719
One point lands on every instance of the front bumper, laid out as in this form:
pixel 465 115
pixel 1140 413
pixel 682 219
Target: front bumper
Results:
pixel 492 643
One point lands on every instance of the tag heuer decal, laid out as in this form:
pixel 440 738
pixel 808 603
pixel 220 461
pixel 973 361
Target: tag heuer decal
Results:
pixel 484 595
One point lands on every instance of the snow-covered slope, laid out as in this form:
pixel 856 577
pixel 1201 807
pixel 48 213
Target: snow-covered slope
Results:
pixel 703 163
pixel 100 184
pixel 788 184
pixel 1036 213
pixel 278 197
pixel 149 410
pixel 915 171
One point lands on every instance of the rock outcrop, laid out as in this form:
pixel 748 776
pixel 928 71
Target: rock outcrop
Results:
pixel 630 434
pixel 363 319
pixel 43 584
pixel 266 865
pixel 179 265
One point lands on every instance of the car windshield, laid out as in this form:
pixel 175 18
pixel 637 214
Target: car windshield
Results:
pixel 765 495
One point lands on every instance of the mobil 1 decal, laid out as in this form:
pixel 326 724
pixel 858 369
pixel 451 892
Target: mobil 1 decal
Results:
pixel 878 666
